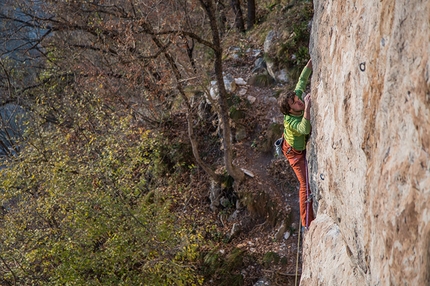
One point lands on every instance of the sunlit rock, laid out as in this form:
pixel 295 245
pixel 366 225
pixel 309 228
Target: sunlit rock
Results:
pixel 369 155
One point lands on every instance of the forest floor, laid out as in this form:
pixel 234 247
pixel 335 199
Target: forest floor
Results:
pixel 273 176
pixel 268 237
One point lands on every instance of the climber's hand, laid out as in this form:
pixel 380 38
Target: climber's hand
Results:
pixel 307 100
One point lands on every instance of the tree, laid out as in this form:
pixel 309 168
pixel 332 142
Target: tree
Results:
pixel 251 14
pixel 109 78
pixel 238 16
pixel 81 207
pixel 236 173
pixel 109 45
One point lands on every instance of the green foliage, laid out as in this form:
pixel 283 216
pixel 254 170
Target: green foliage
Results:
pixel 86 205
pixel 236 114
pixel 301 32
pixel 294 51
pixel 261 80
pixel 271 258
pixel 294 32
pixel 223 269
pixel 302 56
pixel 234 100
pixel 271 6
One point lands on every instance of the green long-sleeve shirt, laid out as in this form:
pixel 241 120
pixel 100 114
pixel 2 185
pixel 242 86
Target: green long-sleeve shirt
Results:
pixel 297 127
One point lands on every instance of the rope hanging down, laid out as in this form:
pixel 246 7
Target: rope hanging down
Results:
pixel 297 259
pixel 308 197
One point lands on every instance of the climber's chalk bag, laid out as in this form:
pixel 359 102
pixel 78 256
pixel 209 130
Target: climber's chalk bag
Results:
pixel 278 146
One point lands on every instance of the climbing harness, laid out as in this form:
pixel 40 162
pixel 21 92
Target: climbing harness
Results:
pixel 291 149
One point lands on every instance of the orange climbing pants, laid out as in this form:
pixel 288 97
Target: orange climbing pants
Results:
pixel 297 160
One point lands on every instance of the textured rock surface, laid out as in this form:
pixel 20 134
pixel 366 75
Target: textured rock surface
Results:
pixel 369 157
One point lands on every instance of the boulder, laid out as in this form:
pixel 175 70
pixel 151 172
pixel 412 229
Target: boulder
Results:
pixel 270 48
pixel 230 86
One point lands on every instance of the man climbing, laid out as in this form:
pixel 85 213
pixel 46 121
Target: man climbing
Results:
pixel 297 128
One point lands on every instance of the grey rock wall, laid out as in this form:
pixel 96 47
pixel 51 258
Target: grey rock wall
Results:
pixel 370 152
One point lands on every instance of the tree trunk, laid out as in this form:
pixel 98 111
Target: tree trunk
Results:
pixel 222 19
pixel 232 170
pixel 238 16
pixel 251 14
pixel 190 115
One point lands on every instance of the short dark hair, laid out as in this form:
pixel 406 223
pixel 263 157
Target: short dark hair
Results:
pixel 283 101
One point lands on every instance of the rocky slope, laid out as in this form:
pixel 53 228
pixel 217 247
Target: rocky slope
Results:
pixel 370 150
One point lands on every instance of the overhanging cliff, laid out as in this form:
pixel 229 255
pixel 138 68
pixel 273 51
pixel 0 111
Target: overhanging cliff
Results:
pixel 370 152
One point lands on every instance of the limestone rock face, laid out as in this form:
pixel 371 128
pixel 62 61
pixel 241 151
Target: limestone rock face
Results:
pixel 369 155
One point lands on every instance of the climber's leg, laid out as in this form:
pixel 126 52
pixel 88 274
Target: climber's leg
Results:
pixel 297 162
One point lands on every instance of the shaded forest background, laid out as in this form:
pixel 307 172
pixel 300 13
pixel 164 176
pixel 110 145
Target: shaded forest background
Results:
pixel 111 140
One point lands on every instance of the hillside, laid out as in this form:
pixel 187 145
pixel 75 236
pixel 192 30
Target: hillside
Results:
pixel 260 218
pixel 102 184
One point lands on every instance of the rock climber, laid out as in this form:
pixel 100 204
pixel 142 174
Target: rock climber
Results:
pixel 297 128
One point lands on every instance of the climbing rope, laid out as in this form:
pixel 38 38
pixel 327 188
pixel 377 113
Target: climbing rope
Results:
pixel 307 194
pixel 298 251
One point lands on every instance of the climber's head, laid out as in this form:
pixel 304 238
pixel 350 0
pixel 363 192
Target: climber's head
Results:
pixel 289 103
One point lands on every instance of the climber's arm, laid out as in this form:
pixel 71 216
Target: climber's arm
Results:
pixel 303 79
